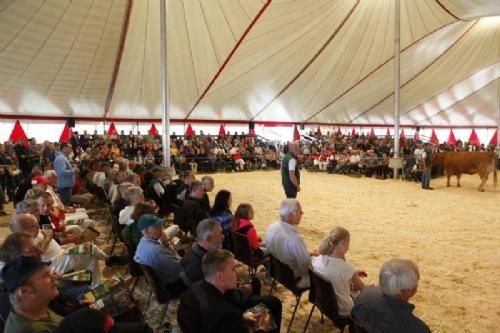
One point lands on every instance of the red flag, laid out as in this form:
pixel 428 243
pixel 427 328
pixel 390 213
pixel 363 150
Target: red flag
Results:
pixel 434 139
pixel 222 131
pixel 112 130
pixel 494 139
pixel 372 132
pixel 474 139
pixel 318 131
pixel 18 133
pixel 296 134
pixel 402 134
pixel 416 137
pixel 189 131
pixel 153 131
pixel 452 141
pixel 353 132
pixel 66 133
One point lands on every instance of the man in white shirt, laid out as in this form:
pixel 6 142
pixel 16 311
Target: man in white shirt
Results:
pixel 135 195
pixel 54 253
pixel 284 242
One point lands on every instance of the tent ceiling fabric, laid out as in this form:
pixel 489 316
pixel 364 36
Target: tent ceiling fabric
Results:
pixel 324 61
pixel 57 57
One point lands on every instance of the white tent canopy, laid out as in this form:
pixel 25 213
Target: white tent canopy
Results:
pixel 315 61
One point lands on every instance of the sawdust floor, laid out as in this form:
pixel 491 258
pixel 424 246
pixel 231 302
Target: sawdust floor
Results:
pixel 452 233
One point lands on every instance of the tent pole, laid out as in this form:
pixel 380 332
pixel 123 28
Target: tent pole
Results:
pixel 498 114
pixel 397 77
pixel 165 142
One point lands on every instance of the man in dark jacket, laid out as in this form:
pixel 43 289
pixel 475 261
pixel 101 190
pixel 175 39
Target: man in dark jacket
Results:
pixel 208 237
pixel 191 211
pixel 215 305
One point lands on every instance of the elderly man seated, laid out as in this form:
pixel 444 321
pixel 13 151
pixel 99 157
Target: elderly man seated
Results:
pixel 158 252
pixel 31 287
pixel 387 308
pixel 54 253
pixel 285 244
pixel 135 195
pixel 17 244
pixel 51 177
pixel 209 237
pixel 38 183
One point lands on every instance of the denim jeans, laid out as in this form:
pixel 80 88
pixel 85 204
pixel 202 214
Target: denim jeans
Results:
pixel 426 178
pixel 65 193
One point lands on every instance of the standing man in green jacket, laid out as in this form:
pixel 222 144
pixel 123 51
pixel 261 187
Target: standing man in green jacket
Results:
pixel 290 174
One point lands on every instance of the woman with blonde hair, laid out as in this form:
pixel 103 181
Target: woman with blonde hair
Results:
pixel 332 265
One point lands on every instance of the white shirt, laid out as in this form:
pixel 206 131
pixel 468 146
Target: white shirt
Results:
pixel 125 214
pixel 99 179
pixel 52 251
pixel 57 201
pixel 354 159
pixel 339 273
pixel 292 163
pixel 284 242
pixel 419 154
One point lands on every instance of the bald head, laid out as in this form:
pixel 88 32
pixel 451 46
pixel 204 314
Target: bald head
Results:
pixel 27 223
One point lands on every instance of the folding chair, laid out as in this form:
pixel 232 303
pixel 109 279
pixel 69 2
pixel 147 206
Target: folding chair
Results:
pixel 162 295
pixel 283 274
pixel 322 296
pixel 244 253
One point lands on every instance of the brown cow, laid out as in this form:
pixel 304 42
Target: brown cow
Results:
pixel 469 163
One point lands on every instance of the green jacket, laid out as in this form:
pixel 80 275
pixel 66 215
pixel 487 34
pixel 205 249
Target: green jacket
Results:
pixel 285 177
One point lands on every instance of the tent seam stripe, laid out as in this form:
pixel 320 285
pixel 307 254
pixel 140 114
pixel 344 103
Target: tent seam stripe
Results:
pixel 418 74
pixel 116 70
pixel 229 57
pixel 313 59
pixel 376 69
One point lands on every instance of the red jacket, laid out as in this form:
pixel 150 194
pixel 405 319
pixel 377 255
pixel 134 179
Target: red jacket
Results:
pixel 251 233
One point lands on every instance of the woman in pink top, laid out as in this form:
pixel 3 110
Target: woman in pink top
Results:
pixel 242 223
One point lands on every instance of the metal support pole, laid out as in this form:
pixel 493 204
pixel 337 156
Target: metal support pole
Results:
pixel 498 114
pixel 165 142
pixel 397 85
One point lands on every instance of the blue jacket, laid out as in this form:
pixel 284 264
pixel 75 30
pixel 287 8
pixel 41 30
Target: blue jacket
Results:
pixel 64 170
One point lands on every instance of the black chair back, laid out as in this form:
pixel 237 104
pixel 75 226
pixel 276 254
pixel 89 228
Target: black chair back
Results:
pixel 160 294
pixel 322 295
pixel 284 275
pixel 242 250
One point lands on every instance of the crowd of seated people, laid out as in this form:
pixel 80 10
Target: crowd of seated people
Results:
pixel 189 254
pixel 369 155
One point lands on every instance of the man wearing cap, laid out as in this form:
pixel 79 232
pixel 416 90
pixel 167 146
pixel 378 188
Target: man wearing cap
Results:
pixel 31 287
pixel 157 251
pixel 65 173
pixel 38 183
